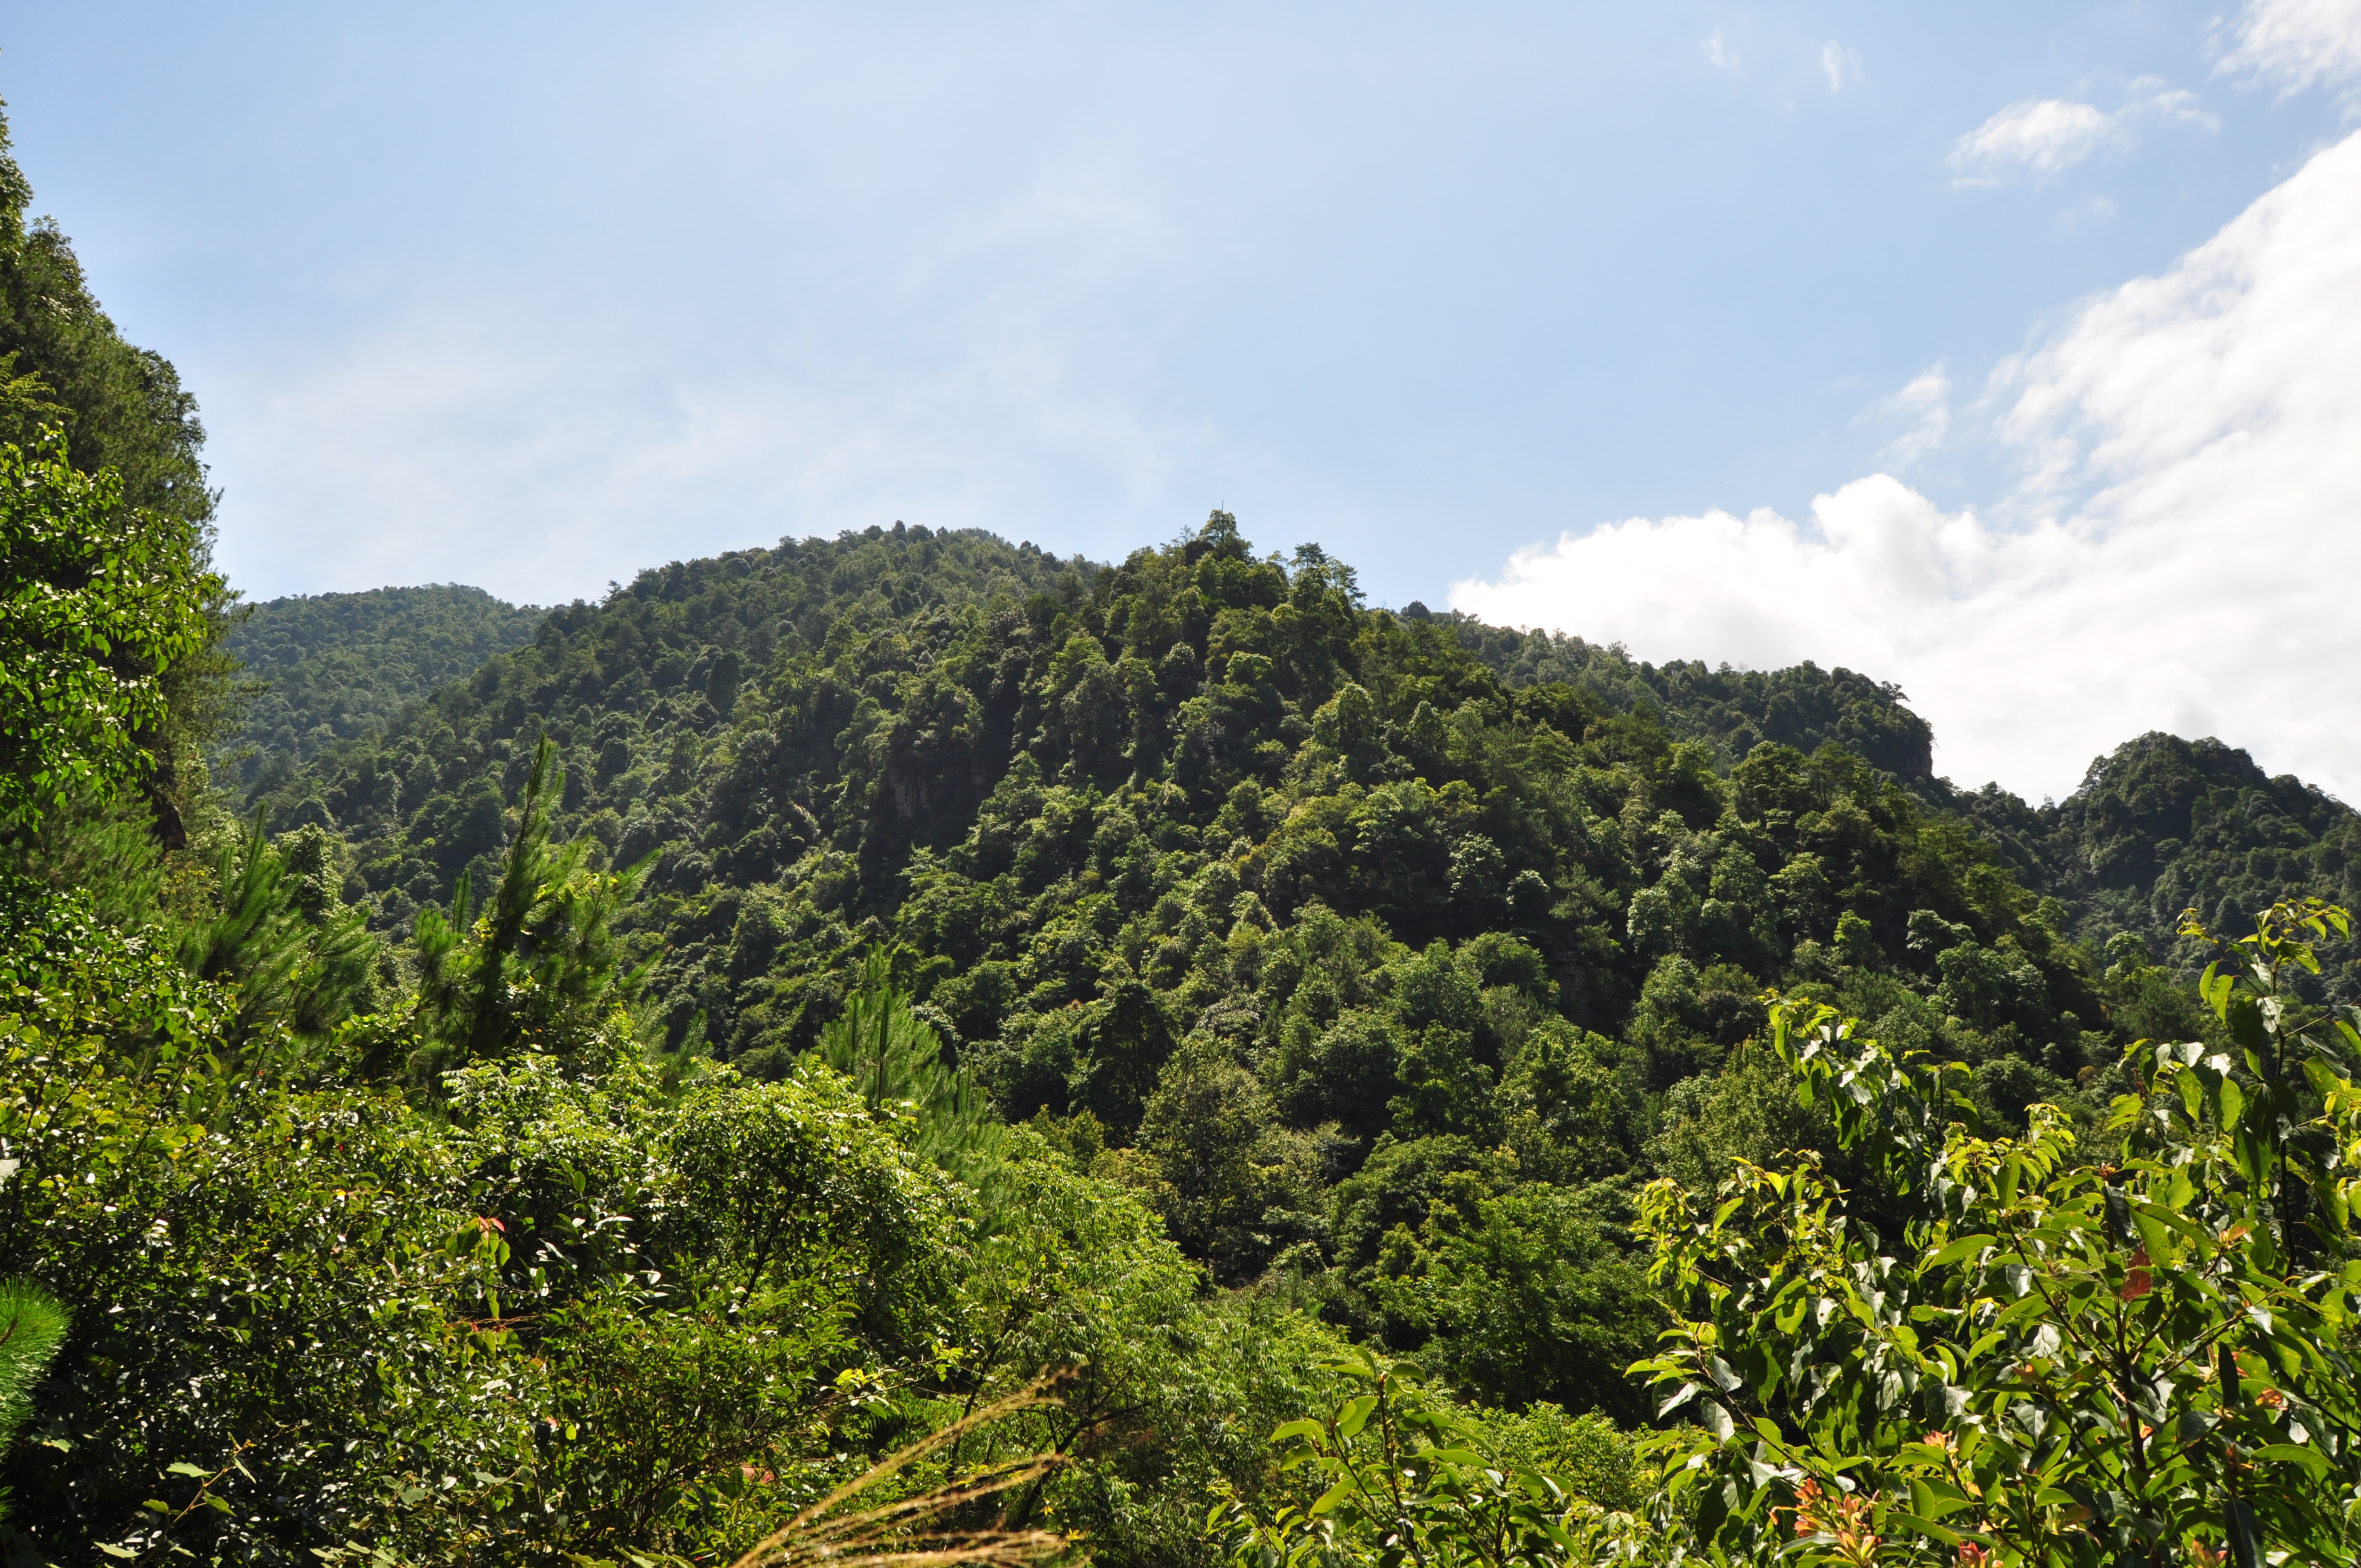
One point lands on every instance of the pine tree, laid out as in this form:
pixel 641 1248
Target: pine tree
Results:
pixel 543 959
pixel 895 1057
pixel 32 1324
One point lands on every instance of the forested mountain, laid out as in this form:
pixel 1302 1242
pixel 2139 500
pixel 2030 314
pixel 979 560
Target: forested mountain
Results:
pixel 2162 825
pixel 1359 959
pixel 332 666
pixel 2159 826
pixel 1734 710
pixel 905 1049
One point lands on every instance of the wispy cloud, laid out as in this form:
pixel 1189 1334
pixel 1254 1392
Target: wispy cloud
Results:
pixel 635 464
pixel 2296 44
pixel 2042 138
pixel 1717 53
pixel 1922 411
pixel 2038 137
pixel 2177 556
pixel 1840 65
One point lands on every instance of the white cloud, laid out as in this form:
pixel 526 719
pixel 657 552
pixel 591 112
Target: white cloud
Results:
pixel 1924 411
pixel 2152 98
pixel 2040 136
pixel 2296 44
pixel 1717 53
pixel 2043 137
pixel 1839 64
pixel 2181 555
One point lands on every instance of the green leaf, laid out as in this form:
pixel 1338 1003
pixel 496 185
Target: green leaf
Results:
pixel 1965 1247
pixel 1717 1420
pixel 1356 1415
pixel 1929 1502
pixel 2192 1094
pixel 2115 1213
pixel 1920 1524
pixel 2242 1545
pixel 2215 988
pixel 2028 1305
pixel 182 1467
pixel 2243 1014
pixel 2313 1462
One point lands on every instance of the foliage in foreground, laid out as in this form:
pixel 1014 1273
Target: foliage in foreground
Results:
pixel 1393 1477
pixel 555 1307
pixel 31 1323
pixel 96 601
pixel 105 583
pixel 2129 1347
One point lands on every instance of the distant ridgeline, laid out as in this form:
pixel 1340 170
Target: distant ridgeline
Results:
pixel 334 666
pixel 1735 710
pixel 2160 826
pixel 2165 825
pixel 1201 836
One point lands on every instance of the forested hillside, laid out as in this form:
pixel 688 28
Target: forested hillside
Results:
pixel 2162 825
pixel 2159 826
pixel 327 667
pixel 1734 710
pixel 906 1050
pixel 1357 961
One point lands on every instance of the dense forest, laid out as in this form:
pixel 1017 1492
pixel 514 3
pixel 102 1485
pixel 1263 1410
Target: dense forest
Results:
pixel 909 1047
pixel 329 667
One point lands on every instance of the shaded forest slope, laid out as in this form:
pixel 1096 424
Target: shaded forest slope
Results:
pixel 334 666
pixel 2161 825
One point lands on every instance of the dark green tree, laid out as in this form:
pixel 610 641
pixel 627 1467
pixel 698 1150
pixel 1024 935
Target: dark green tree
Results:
pixel 292 951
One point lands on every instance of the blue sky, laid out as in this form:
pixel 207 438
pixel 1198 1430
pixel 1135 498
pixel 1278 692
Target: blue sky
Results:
pixel 536 298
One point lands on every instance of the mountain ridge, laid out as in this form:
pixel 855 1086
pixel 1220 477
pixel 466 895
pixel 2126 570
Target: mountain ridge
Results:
pixel 325 667
pixel 2190 824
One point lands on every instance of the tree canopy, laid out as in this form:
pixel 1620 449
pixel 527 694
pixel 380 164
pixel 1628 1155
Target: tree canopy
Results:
pixel 331 667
